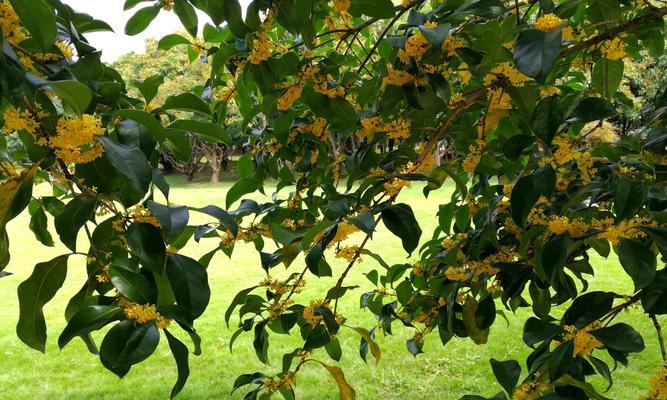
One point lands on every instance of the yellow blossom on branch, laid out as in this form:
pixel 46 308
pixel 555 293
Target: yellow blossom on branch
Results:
pixel 19 120
pixel 75 139
pixel 548 22
pixel 584 342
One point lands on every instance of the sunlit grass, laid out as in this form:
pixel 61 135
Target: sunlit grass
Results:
pixel 441 373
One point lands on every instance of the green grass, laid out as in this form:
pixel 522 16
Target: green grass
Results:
pixel 441 373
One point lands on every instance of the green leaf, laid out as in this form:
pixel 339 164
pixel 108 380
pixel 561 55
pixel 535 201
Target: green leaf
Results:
pixel 592 109
pixel 587 308
pixel 436 35
pixel 364 221
pixel 242 187
pixel 561 359
pixel 186 13
pixel 33 294
pixel 372 8
pixel 141 19
pixel 133 134
pixel 149 87
pixel 401 221
pixel 131 284
pixel 39 19
pixel 607 76
pixel 189 282
pixel 146 242
pixel 180 353
pixel 88 319
pixel 187 102
pixel 629 197
pixel 234 18
pixel 535 52
pixel 74 95
pixel 554 256
pixel 535 331
pixel 146 119
pixel 528 190
pixel 638 261
pixel 172 219
pixel 654 296
pixel 39 226
pixel 547 118
pixel 170 41
pixel 620 337
pixel 206 130
pixel 75 215
pixel 506 373
pixel 127 344
pixel 129 161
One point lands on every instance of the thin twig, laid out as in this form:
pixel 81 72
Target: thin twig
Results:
pixel 661 339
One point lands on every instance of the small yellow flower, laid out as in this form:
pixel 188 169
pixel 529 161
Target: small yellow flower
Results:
pixel 548 22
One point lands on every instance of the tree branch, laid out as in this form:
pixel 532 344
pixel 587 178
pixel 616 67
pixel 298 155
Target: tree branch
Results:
pixel 661 339
pixel 612 33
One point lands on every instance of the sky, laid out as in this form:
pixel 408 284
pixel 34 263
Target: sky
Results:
pixel 114 44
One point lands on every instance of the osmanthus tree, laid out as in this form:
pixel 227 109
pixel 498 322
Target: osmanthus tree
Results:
pixel 347 101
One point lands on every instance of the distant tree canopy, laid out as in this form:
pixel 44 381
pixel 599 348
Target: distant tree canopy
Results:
pixel 343 105
pixel 181 73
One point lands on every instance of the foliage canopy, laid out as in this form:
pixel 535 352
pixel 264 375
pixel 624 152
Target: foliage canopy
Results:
pixel 346 103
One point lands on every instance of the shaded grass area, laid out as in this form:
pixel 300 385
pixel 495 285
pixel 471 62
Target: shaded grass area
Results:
pixel 447 372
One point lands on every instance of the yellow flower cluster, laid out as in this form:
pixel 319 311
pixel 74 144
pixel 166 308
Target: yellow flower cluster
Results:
pixel 341 5
pixel 10 23
pixel 576 227
pixel 253 231
pixel 450 243
pixel 566 153
pixel 394 186
pixel 627 229
pixel 530 390
pixel 287 380
pixel 279 287
pixel 74 142
pixel 396 78
pixel 505 73
pixel 314 320
pixel 143 313
pixel 453 43
pixel 613 49
pixel 548 22
pixel 348 253
pixel 474 156
pixel 584 342
pixel 261 48
pixel 395 129
pixel 288 98
pixel 19 120
pixel 398 128
pixel 104 276
pixel 141 214
pixel 167 5
pixel 317 128
pixel 459 274
pixel 275 310
pixel 416 45
pixel 658 390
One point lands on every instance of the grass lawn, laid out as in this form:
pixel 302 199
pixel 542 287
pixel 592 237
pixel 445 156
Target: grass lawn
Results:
pixel 441 373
